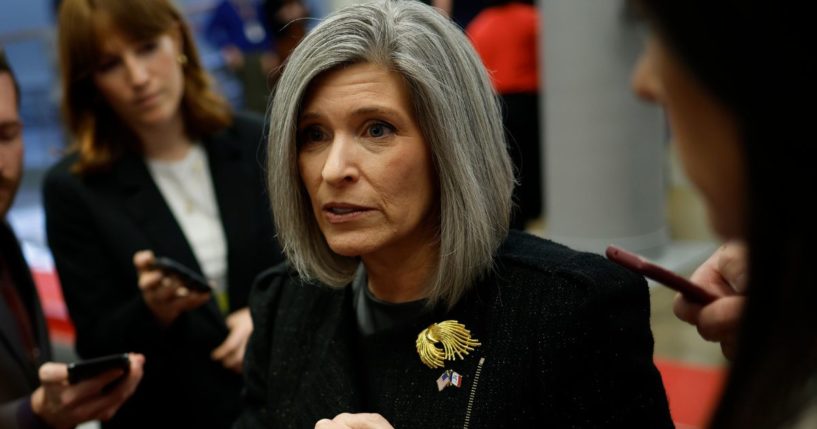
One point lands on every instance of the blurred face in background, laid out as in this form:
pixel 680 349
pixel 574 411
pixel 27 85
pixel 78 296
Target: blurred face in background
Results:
pixel 11 143
pixel 704 133
pixel 141 80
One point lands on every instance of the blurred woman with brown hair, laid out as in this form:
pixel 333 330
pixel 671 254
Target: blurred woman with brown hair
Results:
pixel 732 78
pixel 158 162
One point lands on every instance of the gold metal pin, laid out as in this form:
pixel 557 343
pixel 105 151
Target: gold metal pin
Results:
pixel 456 343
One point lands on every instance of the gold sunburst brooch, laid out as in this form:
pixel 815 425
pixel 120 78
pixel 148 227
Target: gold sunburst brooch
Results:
pixel 456 343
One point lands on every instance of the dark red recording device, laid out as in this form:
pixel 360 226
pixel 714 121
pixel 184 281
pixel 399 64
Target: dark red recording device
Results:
pixel 691 291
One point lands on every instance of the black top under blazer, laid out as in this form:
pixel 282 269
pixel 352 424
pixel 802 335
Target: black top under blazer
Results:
pixel 18 373
pixel 566 343
pixel 96 222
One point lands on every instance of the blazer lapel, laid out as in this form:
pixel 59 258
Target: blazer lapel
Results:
pixel 145 204
pixel 235 200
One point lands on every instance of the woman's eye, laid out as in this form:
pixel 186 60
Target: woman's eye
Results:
pixel 107 65
pixel 148 47
pixel 10 130
pixel 312 134
pixel 379 129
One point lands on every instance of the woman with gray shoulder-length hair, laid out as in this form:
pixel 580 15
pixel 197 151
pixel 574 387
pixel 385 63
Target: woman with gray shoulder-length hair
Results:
pixel 405 295
pixel 457 113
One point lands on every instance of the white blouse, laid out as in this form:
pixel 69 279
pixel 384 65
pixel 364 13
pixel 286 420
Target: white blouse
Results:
pixel 187 187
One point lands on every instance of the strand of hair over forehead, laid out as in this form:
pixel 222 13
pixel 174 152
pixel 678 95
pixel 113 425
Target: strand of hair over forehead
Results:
pixel 475 181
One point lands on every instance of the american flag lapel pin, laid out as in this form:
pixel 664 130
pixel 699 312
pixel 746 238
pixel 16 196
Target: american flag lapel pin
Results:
pixel 444 380
pixel 449 378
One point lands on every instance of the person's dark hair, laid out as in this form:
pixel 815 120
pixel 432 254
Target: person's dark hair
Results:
pixel 5 68
pixel 757 58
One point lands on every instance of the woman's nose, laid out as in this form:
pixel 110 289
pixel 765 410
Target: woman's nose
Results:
pixel 341 164
pixel 137 71
pixel 644 79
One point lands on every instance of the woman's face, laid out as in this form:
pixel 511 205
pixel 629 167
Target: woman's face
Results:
pixel 141 80
pixel 365 164
pixel 705 134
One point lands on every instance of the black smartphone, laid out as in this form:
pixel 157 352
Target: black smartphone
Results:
pixel 83 370
pixel 636 263
pixel 191 279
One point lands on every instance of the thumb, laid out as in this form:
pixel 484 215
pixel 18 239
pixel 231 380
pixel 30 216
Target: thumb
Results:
pixel 143 258
pixel 52 373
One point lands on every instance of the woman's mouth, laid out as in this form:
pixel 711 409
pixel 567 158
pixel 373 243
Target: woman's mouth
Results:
pixel 343 212
pixel 148 100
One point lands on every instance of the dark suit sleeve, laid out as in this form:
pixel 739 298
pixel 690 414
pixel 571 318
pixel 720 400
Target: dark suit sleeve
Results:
pixel 263 302
pixel 8 414
pixel 600 369
pixel 104 305
pixel 19 415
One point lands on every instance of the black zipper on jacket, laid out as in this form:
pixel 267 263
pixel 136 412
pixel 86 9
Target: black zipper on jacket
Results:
pixel 473 392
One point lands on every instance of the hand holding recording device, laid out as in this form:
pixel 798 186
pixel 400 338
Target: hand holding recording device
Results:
pixel 191 279
pixel 83 370
pixel 691 291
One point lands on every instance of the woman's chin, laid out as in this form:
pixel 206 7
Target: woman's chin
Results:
pixel 727 228
pixel 352 243
pixel 346 249
pixel 345 252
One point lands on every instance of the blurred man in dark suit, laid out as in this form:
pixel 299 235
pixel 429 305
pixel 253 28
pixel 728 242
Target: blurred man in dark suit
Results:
pixel 35 393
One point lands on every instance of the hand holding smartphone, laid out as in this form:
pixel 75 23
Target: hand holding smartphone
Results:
pixel 691 291
pixel 83 370
pixel 191 279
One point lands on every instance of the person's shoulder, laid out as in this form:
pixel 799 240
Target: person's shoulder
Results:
pixel 61 174
pixel 279 292
pixel 536 253
pixel 524 10
pixel 63 166
pixel 544 261
pixel 283 280
pixel 274 276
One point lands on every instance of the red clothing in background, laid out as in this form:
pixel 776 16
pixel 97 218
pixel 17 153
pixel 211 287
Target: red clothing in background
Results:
pixel 506 38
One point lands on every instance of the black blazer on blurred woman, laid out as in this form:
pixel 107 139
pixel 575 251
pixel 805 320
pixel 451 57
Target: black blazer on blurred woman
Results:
pixel 96 222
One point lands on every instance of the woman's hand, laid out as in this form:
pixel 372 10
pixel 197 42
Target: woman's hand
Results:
pixel 725 274
pixel 231 352
pixel 164 295
pixel 64 405
pixel 354 421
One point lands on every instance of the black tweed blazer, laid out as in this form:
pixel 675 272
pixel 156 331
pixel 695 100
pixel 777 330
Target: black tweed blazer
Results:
pixel 566 343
